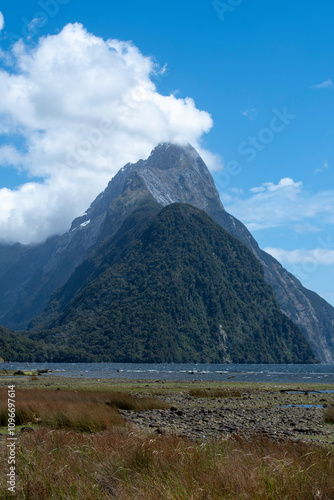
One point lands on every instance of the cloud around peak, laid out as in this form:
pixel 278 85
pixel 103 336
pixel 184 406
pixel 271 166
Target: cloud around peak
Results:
pixel 74 109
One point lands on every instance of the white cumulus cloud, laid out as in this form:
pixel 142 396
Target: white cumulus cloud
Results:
pixel 321 256
pixel 2 21
pixel 286 203
pixel 81 107
pixel 285 183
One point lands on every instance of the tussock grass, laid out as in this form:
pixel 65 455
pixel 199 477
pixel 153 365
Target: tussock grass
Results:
pixel 115 463
pixel 119 464
pixel 89 411
pixel 329 415
pixel 214 393
pixel 125 401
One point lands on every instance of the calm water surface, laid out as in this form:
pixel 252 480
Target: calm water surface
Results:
pixel 323 374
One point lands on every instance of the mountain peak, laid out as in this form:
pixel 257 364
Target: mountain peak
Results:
pixel 177 174
pixel 167 155
pixel 172 173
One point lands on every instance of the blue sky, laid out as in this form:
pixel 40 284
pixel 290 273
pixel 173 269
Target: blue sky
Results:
pixel 260 75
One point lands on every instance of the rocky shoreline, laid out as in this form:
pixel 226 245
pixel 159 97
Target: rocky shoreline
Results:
pixel 276 414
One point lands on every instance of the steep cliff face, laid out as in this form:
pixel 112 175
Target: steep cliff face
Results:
pixel 172 174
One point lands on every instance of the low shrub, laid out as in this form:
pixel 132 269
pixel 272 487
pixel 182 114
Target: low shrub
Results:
pixel 329 415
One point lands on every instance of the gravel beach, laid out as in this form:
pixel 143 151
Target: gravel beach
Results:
pixel 279 414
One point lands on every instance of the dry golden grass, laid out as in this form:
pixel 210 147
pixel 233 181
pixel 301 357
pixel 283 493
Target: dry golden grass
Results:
pixel 215 393
pixel 114 463
pixel 122 465
pixel 125 401
pixel 89 411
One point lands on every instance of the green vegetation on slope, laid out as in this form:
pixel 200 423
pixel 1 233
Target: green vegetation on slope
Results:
pixel 14 345
pixel 17 346
pixel 184 291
